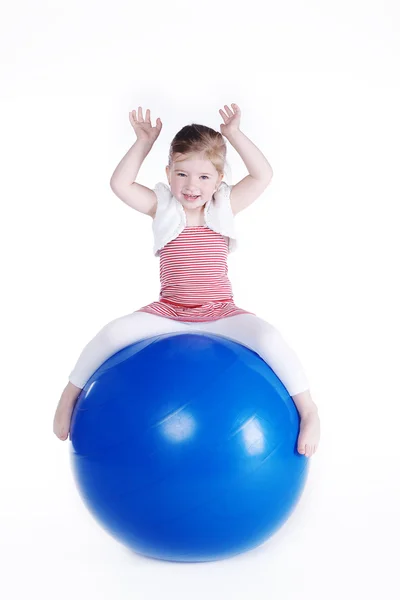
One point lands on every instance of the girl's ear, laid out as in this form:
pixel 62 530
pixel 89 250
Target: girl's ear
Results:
pixel 218 183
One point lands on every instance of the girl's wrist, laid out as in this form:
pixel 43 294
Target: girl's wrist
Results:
pixel 232 134
pixel 146 143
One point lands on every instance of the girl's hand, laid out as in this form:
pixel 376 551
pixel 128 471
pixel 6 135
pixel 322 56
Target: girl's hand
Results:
pixel 143 128
pixel 231 120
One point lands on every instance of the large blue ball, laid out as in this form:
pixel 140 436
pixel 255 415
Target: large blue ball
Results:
pixel 184 447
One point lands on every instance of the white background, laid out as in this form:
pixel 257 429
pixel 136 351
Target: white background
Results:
pixel 319 88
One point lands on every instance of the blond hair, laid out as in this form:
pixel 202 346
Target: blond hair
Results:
pixel 200 139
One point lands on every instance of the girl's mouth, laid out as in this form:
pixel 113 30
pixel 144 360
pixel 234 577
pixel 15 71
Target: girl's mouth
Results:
pixel 190 197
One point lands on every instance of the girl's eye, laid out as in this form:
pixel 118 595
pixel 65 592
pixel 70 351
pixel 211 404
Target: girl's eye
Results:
pixel 206 176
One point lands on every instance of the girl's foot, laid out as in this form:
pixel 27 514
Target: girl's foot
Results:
pixel 309 435
pixel 307 443
pixel 62 417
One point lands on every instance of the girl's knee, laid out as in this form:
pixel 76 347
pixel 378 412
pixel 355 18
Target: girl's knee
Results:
pixel 113 331
pixel 265 336
pixel 258 329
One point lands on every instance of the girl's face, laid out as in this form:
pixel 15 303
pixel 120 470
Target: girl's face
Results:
pixel 194 176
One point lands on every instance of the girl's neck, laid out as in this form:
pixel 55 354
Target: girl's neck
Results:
pixel 195 220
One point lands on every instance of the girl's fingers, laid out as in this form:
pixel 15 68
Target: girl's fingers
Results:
pixel 136 119
pixel 140 115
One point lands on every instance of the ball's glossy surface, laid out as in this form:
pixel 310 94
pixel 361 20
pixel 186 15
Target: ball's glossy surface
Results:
pixel 184 447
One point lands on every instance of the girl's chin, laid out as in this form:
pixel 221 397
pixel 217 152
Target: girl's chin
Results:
pixel 191 200
pixel 197 203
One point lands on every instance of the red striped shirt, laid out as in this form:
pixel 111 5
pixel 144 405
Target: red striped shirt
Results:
pixel 194 278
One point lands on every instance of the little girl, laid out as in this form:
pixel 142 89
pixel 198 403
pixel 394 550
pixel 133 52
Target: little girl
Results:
pixel 194 231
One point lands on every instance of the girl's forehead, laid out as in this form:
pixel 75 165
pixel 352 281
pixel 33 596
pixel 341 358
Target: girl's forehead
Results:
pixel 194 164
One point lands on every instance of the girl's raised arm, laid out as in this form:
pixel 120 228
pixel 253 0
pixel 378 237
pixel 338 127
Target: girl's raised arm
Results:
pixel 122 182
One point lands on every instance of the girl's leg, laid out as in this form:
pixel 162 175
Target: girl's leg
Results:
pixel 118 334
pixel 260 336
pixel 263 338
pixel 114 336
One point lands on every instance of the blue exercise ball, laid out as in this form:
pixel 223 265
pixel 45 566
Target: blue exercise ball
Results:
pixel 184 448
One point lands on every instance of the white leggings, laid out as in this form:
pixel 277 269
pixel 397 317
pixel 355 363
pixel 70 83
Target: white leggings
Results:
pixel 249 330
